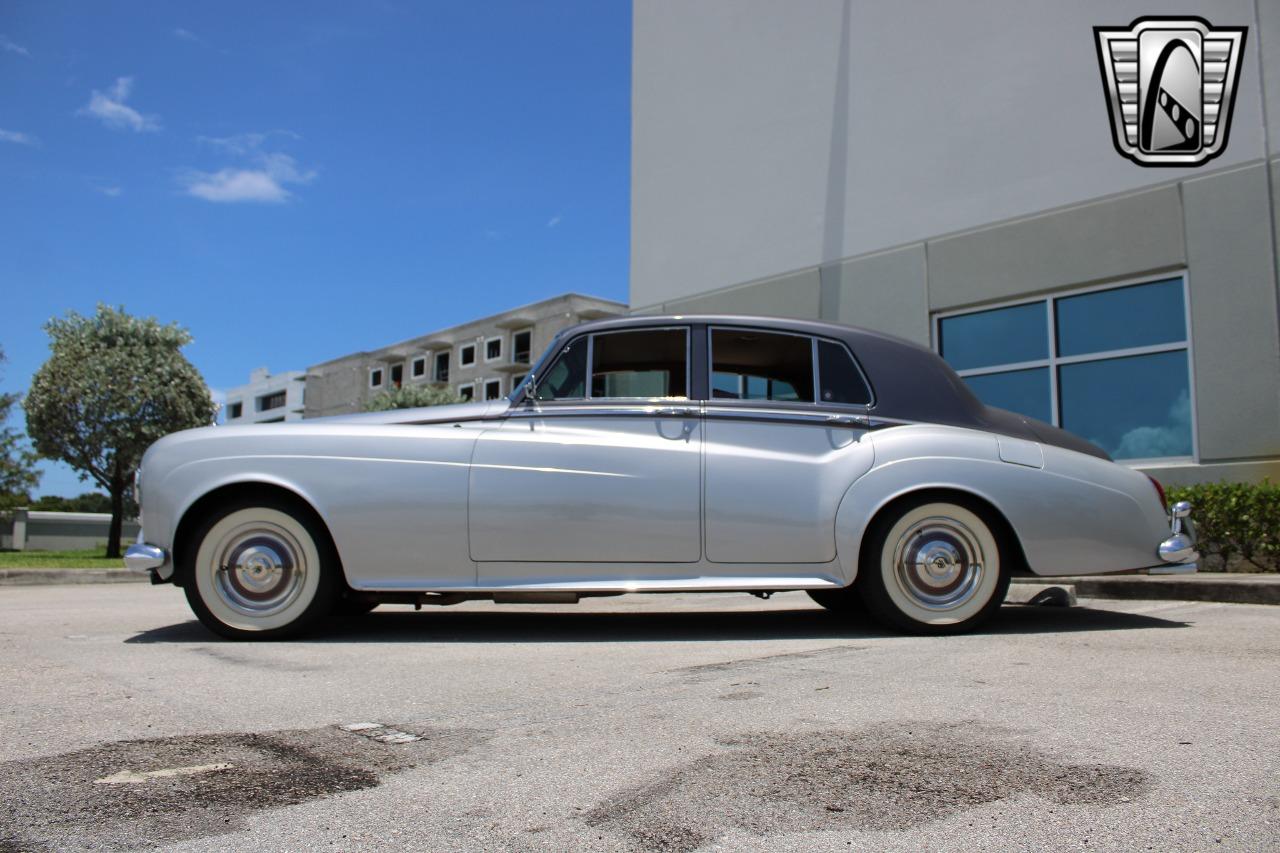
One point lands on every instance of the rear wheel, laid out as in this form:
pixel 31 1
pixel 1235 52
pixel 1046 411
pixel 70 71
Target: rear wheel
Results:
pixel 261 570
pixel 933 567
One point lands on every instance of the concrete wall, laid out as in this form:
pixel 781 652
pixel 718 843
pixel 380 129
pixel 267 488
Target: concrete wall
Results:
pixel 772 137
pixel 27 530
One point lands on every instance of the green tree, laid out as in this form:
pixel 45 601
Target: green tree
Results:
pixel 113 384
pixel 87 502
pixel 411 397
pixel 18 474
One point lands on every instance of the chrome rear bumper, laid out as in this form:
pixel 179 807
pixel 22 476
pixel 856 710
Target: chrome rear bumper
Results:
pixel 1179 550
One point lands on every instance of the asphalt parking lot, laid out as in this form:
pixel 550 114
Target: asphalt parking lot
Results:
pixel 642 722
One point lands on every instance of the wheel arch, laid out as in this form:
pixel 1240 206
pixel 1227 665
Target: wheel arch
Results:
pixel 241 490
pixel 856 515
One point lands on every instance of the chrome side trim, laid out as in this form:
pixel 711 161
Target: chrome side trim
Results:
pixel 142 558
pixel 672 409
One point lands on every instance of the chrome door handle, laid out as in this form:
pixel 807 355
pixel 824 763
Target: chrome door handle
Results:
pixel 848 420
pixel 675 411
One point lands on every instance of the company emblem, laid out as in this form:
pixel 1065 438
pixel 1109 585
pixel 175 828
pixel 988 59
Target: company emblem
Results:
pixel 1171 86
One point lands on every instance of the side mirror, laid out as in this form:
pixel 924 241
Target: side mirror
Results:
pixel 531 389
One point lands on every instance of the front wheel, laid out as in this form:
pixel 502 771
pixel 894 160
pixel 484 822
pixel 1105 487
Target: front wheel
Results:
pixel 933 567
pixel 261 570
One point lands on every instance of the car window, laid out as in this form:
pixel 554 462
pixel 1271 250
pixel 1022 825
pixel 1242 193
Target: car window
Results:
pixel 749 365
pixel 643 363
pixel 839 379
pixel 567 378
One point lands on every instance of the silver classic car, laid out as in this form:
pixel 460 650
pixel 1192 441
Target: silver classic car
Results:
pixel 654 454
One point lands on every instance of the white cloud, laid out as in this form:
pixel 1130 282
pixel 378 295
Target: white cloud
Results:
pixel 1173 438
pixel 553 221
pixel 10 47
pixel 265 182
pixel 18 138
pixel 113 192
pixel 243 143
pixel 185 35
pixel 111 108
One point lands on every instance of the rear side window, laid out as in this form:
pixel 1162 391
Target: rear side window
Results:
pixel 749 365
pixel 839 379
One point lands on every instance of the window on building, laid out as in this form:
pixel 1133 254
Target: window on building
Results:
pixel 442 367
pixel 517 379
pixel 1110 365
pixel 467 355
pixel 521 344
pixel 751 365
pixel 419 368
pixel 235 410
pixel 274 400
pixel 397 375
pixel 493 389
pixel 375 378
pixel 493 349
pixel 467 392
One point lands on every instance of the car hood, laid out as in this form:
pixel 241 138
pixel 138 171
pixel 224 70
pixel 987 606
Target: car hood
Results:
pixel 423 415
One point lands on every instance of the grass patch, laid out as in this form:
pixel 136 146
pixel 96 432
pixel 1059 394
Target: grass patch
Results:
pixel 89 558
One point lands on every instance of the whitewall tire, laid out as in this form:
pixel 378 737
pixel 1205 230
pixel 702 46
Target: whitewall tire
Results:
pixel 933 566
pixel 261 570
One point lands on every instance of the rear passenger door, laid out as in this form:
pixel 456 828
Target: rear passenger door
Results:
pixel 782 432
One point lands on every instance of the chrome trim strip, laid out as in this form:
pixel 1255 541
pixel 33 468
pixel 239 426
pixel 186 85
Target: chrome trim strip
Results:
pixel 673 409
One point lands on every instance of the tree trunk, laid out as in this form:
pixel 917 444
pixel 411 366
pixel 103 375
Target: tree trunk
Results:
pixel 117 518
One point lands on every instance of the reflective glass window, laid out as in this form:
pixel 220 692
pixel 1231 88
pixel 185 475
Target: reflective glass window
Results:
pixel 999 336
pixel 1136 316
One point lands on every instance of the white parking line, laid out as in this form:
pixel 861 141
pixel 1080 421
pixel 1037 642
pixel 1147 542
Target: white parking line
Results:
pixel 132 777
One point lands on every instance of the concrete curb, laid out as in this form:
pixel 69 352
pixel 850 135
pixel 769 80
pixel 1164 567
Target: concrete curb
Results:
pixel 1228 588
pixel 44 577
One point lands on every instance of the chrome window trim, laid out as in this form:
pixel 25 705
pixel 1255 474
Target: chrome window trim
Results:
pixel 1054 361
pixel 580 408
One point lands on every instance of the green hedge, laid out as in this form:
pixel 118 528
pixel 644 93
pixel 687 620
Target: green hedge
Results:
pixel 1238 524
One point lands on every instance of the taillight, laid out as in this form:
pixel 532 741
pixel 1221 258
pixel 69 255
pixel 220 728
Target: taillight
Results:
pixel 1164 502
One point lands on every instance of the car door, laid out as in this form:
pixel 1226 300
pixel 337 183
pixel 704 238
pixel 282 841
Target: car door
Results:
pixel 603 466
pixel 783 443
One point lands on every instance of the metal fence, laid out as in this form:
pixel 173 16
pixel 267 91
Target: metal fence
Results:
pixel 35 530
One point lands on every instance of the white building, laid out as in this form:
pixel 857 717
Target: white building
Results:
pixel 268 398
pixel 948 172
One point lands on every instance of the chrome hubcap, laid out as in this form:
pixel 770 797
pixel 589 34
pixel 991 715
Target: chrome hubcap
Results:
pixel 938 563
pixel 260 569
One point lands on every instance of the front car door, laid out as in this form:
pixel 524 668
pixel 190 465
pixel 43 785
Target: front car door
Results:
pixel 783 429
pixel 602 467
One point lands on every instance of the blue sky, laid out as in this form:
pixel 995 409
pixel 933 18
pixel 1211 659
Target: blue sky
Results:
pixel 296 183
